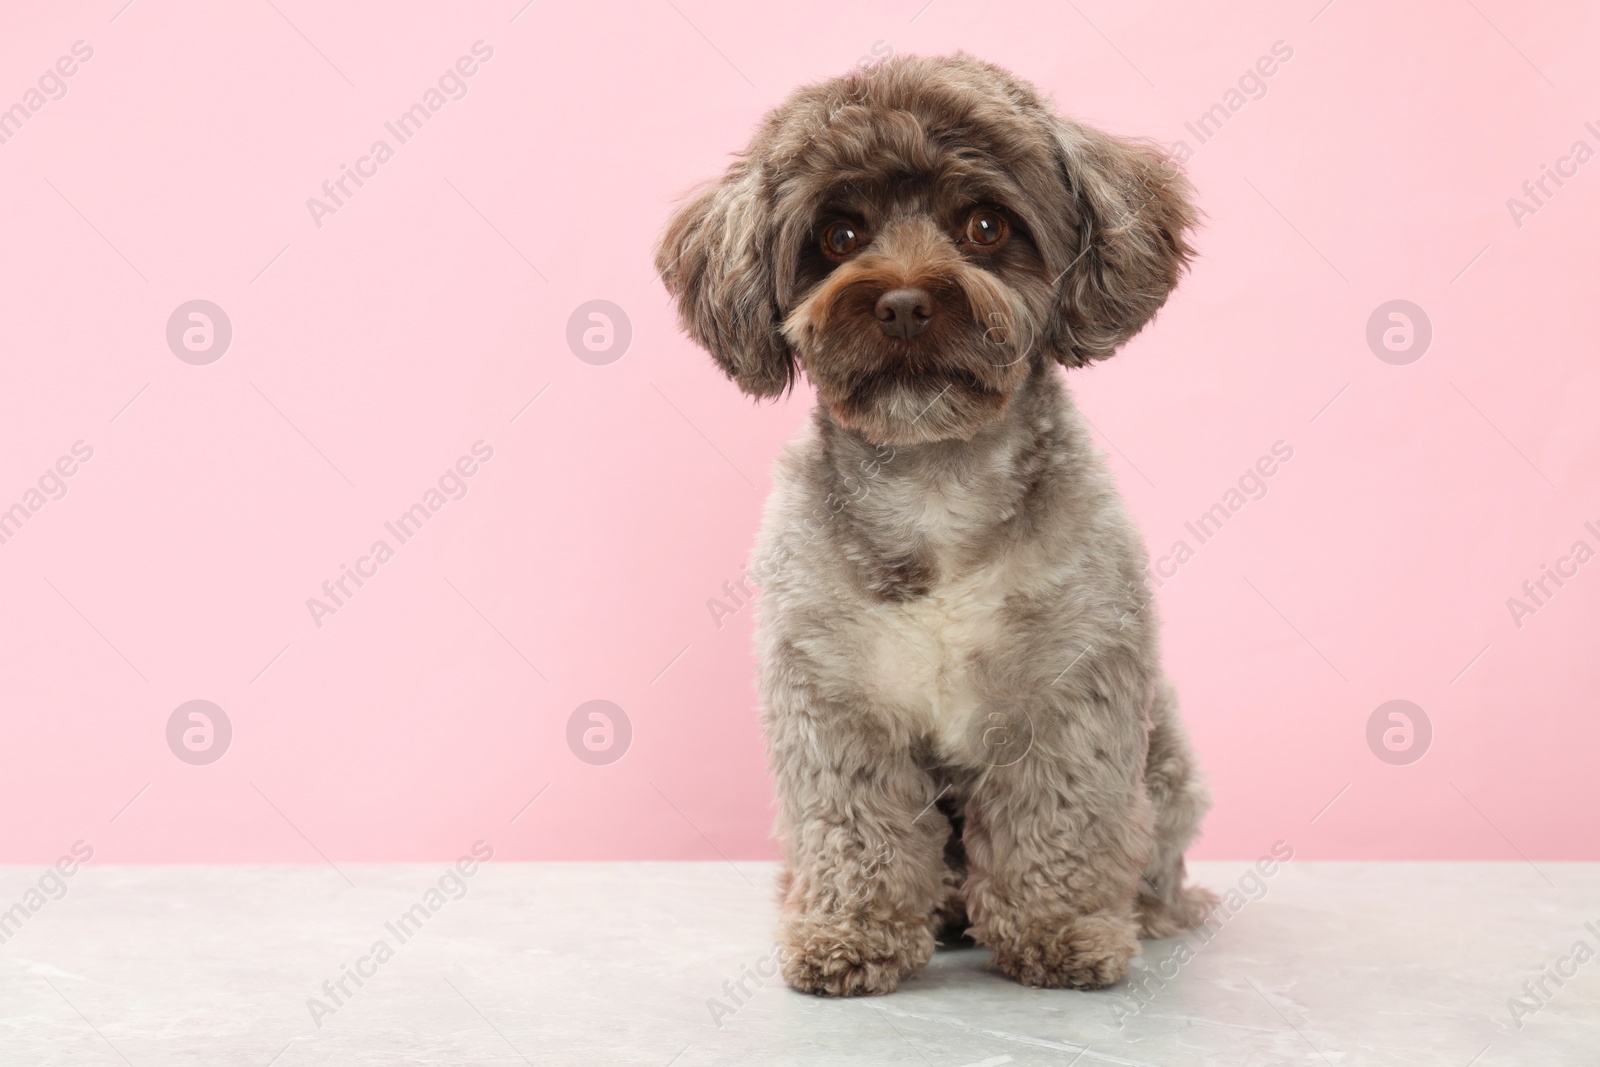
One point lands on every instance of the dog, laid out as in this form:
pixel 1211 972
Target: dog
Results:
pixel 961 694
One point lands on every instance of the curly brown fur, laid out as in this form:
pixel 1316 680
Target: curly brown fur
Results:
pixel 961 690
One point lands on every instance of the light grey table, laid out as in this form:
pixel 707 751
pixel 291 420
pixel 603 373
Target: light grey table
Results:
pixel 661 963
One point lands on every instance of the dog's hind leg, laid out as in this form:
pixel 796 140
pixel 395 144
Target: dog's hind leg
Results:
pixel 1172 779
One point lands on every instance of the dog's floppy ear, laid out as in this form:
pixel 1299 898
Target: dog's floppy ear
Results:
pixel 716 259
pixel 1132 210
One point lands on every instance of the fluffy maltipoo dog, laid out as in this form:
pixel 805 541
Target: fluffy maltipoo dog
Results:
pixel 961 691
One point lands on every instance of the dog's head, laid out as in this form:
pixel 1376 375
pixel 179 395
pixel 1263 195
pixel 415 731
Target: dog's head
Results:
pixel 916 237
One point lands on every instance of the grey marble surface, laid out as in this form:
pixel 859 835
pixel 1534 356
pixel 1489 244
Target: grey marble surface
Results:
pixel 1334 963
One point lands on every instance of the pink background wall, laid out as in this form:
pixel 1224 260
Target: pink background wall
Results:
pixel 371 352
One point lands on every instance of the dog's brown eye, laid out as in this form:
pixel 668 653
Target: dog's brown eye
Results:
pixel 840 239
pixel 987 229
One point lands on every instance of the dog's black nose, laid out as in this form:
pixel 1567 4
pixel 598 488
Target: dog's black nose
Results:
pixel 904 313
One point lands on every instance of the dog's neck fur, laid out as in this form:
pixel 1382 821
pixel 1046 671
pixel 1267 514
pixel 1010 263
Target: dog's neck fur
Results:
pixel 915 516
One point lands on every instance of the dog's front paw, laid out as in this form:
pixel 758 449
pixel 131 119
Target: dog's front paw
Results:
pixel 837 956
pixel 1082 952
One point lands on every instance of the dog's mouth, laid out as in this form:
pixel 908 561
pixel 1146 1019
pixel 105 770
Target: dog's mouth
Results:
pixel 896 405
pixel 947 381
pixel 875 388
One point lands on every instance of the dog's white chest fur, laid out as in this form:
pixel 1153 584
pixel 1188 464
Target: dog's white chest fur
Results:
pixel 924 652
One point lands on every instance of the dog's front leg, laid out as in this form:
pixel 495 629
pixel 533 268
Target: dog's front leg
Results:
pixel 1055 843
pixel 864 846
